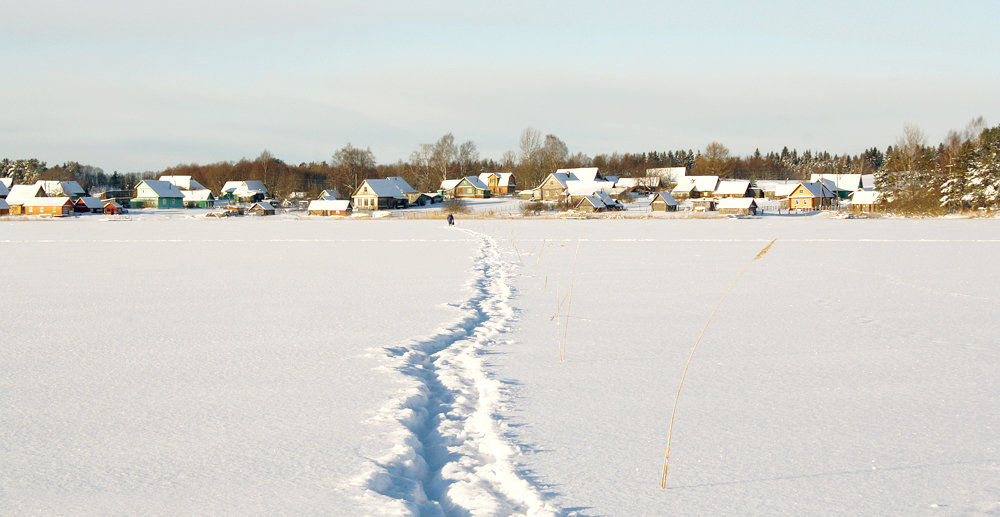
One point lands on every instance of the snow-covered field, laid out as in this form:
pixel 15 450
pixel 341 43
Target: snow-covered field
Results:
pixel 178 365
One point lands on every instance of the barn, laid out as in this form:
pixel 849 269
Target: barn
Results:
pixel 663 202
pixel 330 207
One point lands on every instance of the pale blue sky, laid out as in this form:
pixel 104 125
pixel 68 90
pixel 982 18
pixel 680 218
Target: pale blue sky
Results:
pixel 131 87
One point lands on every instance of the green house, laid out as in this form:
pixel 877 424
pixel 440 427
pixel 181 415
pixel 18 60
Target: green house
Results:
pixel 202 198
pixel 157 194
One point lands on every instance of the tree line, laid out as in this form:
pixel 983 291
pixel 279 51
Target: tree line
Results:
pixel 956 175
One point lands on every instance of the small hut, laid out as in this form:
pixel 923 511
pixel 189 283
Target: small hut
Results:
pixel 113 208
pixel 88 205
pixel 261 208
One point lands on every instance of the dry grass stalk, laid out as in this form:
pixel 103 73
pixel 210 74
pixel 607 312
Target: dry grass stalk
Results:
pixel 670 433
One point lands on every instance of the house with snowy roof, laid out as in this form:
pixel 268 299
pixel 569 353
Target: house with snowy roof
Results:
pixel 88 205
pixel 737 206
pixel 201 198
pixel 582 173
pixel 157 194
pixel 694 187
pixel 54 206
pixel 808 195
pixel 578 189
pixel 499 183
pixel 843 185
pixel 330 207
pixel 20 194
pixel 184 182
pixel 733 188
pixel 247 191
pixel 329 194
pixel 865 200
pixel 467 187
pixel 663 202
pixel 4 207
pixel 379 194
pixel 262 208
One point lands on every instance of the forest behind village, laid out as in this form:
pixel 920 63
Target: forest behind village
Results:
pixel 915 177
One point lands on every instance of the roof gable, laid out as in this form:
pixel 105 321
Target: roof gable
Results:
pixel 21 193
pixel 158 189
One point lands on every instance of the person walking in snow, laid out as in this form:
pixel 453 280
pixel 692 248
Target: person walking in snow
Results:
pixel 451 220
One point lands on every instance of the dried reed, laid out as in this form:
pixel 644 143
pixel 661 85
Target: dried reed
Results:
pixel 670 433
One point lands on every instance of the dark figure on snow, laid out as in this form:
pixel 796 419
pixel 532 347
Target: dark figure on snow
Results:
pixel 451 220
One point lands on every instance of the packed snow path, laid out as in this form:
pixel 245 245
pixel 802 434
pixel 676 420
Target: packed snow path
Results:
pixel 451 456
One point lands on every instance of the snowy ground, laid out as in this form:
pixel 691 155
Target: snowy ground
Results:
pixel 173 364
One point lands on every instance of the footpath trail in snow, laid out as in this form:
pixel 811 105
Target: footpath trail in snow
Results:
pixel 450 455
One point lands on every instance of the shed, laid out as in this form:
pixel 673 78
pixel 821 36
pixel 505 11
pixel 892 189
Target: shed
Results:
pixel 663 202
pixel 113 208
pixel 591 204
pixel 865 200
pixel 261 208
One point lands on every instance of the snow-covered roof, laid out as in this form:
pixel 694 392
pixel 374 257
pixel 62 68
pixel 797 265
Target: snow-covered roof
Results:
pixel 7 182
pixel 582 173
pixel 666 197
pixel 47 201
pixel 385 188
pixel 242 188
pixel 865 197
pixel 867 181
pixel 183 182
pixel 329 204
pixel 4 205
pixel 563 177
pixel 21 193
pixel 834 182
pixel 61 188
pixel 770 185
pixel 735 202
pixel 162 188
pixel 263 204
pixel 111 204
pixel 648 181
pixel 705 183
pixel 4 190
pixel 732 187
pixel 476 182
pixel 815 189
pixel 586 188
pixel 91 202
pixel 450 184
pixel 503 178
pixel 197 195
pixel 784 189
pixel 403 186
pixel 330 193
pixel 594 201
pixel 606 198
pixel 685 185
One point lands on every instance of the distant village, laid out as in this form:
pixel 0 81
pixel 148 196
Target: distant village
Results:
pixel 579 190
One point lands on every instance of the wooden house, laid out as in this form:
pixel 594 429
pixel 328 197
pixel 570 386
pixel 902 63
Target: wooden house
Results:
pixel 261 208
pixel 88 205
pixel 52 206
pixel 20 194
pixel 113 208
pixel 330 207
pixel 553 187
pixel 499 183
pixel 843 185
pixel 733 188
pixel 467 187
pixel 663 202
pixel 703 204
pixel 375 194
pixel 694 187
pixel 157 194
pixel 807 195
pixel 737 206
